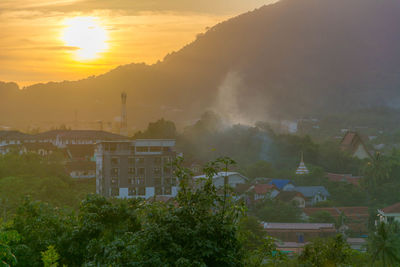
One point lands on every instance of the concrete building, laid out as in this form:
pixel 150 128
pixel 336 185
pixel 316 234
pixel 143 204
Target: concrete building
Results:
pixel 131 169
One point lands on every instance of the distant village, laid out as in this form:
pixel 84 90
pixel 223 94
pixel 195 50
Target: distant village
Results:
pixel 141 168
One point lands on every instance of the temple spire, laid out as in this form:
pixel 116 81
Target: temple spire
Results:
pixel 302 169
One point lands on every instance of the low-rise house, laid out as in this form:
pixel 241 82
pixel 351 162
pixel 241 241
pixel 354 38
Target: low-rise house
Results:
pixel 346 178
pixel 357 243
pixel 299 232
pixel 292 197
pixel 390 214
pixel 353 143
pixel 313 194
pixel 264 191
pixel 354 218
pixel 13 138
pixel 42 149
pixel 283 184
pixel 232 179
pixel 81 169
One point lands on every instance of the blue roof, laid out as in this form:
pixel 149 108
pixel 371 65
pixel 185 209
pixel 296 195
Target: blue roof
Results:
pixel 279 183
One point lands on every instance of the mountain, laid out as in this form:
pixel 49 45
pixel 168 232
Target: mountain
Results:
pixel 285 60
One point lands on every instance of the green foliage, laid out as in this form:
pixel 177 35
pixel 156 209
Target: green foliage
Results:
pixel 384 244
pixel 321 217
pixel 50 257
pixel 327 252
pixel 277 211
pixel 7 239
pixel 159 129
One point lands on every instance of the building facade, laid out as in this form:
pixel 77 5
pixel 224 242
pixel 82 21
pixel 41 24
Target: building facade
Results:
pixel 136 169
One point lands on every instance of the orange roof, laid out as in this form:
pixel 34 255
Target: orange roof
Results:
pixel 395 208
pixel 354 212
pixel 263 188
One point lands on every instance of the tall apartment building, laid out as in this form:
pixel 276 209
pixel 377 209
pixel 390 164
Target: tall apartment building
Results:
pixel 140 168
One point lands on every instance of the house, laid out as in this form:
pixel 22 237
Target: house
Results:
pixel 353 143
pixel 264 191
pixel 282 184
pixel 299 232
pixel 346 178
pixel 13 138
pixel 390 214
pixel 81 169
pixel 42 149
pixel 355 218
pixel 233 179
pixel 357 243
pixel 62 138
pixel 292 197
pixel 313 194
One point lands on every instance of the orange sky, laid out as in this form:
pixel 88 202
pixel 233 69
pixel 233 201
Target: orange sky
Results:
pixel 34 47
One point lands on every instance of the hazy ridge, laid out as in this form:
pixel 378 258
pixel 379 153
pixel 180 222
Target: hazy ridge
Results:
pixel 289 59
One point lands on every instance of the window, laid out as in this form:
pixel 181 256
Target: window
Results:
pixel 132 181
pixel 139 160
pixel 132 171
pixel 166 149
pixel 140 181
pixel 167 160
pixel 131 161
pixel 114 161
pixel 113 147
pixel 114 191
pixel 141 172
pixel 114 172
pixel 157 171
pixel 167 181
pixel 157 181
pixel 157 160
pixel 167 171
pixel 142 149
pixel 158 190
pixel 141 191
pixel 155 149
pixel 167 190
pixel 300 237
pixel 131 191
pixel 114 181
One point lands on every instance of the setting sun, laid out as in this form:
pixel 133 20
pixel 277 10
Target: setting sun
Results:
pixel 86 35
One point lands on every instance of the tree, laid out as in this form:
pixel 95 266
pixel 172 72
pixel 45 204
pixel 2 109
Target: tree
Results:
pixel 321 217
pixel 384 244
pixel 277 211
pixel 159 129
pixel 327 252
pixel 50 257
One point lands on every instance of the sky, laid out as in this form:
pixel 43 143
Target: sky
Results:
pixel 56 40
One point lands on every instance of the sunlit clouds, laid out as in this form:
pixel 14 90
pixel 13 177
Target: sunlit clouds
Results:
pixel 45 40
pixel 86 34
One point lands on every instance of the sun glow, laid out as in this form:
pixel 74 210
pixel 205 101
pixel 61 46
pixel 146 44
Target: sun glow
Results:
pixel 87 36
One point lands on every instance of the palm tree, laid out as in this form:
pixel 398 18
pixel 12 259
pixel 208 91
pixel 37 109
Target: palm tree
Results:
pixel 384 244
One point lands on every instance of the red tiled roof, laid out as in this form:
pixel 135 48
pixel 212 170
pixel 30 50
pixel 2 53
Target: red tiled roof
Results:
pixel 349 178
pixel 395 208
pixel 263 188
pixel 351 212
pixel 299 226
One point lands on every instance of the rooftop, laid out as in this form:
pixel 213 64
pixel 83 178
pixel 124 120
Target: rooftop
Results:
pixel 299 226
pixel 310 191
pixel 395 208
